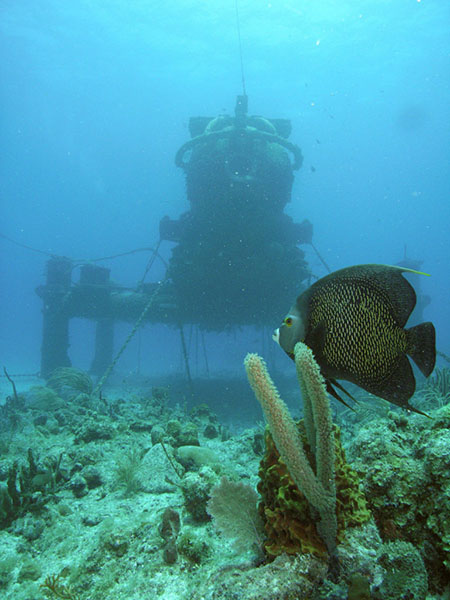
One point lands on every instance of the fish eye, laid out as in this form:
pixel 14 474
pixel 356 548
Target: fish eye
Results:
pixel 288 321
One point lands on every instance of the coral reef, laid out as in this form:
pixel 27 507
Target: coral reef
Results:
pixel 55 588
pixel 192 545
pixel 404 463
pixel 70 380
pixel 74 519
pixel 286 578
pixel 44 399
pixel 288 519
pixel 405 574
pixel 437 388
pixel 196 489
pixel 233 507
pixel 318 486
pixel 169 530
pixel 126 472
pixel 29 487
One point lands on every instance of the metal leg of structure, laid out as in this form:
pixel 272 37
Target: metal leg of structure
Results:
pixel 104 346
pixel 55 339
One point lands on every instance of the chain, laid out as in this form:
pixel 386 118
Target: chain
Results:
pixel 107 373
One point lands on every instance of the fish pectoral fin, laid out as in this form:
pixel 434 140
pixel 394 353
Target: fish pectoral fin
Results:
pixel 316 340
pixel 330 383
pixel 342 388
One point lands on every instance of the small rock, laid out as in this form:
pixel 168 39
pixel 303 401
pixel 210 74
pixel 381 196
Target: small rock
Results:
pixel 210 432
pixel 30 571
pixel 78 486
pixel 92 476
pixel 40 420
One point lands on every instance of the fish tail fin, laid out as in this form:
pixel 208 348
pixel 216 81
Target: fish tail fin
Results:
pixel 421 340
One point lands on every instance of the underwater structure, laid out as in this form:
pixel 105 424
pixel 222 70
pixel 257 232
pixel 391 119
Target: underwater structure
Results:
pixel 236 258
pixel 235 245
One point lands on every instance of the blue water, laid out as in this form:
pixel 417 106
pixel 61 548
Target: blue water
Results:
pixel 95 101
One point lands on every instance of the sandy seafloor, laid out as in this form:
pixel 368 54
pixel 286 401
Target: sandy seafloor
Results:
pixel 94 516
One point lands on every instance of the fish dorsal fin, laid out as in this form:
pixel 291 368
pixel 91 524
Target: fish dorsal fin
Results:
pixel 390 281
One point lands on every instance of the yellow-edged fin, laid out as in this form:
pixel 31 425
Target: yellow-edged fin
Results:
pixel 405 270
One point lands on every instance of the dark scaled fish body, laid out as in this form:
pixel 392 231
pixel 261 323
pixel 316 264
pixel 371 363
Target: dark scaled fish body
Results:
pixel 354 321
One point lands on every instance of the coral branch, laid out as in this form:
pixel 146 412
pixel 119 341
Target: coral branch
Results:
pixel 318 489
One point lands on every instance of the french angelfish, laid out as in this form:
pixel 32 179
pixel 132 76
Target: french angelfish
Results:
pixel 354 322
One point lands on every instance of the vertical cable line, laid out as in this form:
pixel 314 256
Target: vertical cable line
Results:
pixel 238 26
